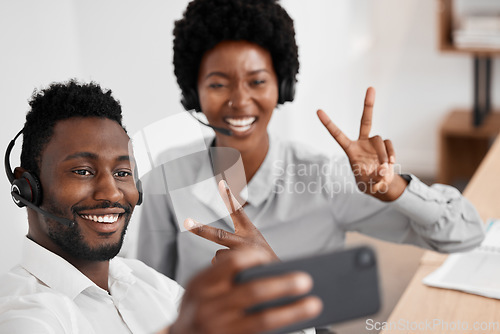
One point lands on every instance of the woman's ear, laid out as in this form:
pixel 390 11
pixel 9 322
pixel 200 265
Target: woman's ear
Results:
pixel 18 172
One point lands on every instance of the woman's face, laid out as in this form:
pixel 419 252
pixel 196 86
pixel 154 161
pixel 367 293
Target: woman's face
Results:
pixel 238 90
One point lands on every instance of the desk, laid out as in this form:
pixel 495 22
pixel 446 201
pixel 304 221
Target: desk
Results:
pixel 420 304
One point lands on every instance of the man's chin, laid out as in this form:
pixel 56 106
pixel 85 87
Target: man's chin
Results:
pixel 74 244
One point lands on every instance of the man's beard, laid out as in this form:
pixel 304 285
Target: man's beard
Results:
pixel 71 240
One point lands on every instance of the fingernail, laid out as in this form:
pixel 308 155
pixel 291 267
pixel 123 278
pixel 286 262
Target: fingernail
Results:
pixel 225 184
pixel 189 224
pixel 392 159
pixel 304 282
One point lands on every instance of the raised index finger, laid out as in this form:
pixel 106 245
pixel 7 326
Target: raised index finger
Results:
pixel 366 119
pixel 336 133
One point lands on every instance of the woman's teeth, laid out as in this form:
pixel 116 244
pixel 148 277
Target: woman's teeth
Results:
pixel 111 218
pixel 240 124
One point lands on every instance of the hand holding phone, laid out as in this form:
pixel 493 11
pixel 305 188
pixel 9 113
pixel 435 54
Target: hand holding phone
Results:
pixel 346 281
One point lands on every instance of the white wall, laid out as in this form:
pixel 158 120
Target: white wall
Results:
pixel 344 45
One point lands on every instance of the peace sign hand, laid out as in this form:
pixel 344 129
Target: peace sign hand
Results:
pixel 245 235
pixel 372 159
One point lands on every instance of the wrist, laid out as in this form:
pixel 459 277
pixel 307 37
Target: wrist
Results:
pixel 395 189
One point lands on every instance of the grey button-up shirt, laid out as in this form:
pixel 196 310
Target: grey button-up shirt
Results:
pixel 302 201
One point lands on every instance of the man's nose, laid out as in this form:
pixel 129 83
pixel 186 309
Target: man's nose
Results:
pixel 106 189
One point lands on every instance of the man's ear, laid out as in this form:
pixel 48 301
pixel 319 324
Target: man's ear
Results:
pixel 18 172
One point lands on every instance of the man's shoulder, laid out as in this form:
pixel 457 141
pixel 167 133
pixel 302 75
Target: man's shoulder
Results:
pixel 18 281
pixel 24 304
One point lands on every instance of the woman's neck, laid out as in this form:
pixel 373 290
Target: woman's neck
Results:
pixel 252 158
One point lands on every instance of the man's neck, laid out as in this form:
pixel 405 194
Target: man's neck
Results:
pixel 96 271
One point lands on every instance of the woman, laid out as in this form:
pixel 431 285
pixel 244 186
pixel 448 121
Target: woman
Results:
pixel 236 61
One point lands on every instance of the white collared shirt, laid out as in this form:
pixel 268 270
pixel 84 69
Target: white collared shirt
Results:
pixel 301 200
pixel 46 294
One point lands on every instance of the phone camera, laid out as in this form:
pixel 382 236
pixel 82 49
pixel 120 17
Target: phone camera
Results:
pixel 365 258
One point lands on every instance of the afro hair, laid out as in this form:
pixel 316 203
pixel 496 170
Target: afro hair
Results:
pixel 206 23
pixel 58 102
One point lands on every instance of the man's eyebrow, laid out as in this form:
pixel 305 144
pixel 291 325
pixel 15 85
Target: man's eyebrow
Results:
pixel 81 155
pixel 123 158
pixel 93 156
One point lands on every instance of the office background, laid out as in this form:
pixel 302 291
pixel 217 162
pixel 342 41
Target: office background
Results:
pixel 344 47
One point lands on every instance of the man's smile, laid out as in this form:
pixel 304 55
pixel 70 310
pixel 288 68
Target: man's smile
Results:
pixel 101 220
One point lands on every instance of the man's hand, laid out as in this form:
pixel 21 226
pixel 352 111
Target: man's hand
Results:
pixel 372 159
pixel 214 303
pixel 245 235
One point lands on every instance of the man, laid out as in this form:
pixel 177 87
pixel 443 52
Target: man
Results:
pixel 79 174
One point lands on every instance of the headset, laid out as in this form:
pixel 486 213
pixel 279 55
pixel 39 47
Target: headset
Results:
pixel 191 102
pixel 27 190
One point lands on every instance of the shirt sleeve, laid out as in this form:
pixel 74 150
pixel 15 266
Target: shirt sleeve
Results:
pixel 436 217
pixel 42 313
pixel 157 240
pixel 28 324
pixel 444 219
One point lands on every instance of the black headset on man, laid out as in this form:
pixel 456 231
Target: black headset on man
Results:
pixel 27 190
pixel 191 102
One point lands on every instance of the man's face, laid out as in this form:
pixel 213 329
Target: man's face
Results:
pixel 87 176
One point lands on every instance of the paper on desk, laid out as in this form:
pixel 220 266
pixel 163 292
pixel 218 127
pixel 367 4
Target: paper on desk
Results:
pixel 476 271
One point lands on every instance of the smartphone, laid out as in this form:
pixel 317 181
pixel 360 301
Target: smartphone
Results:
pixel 345 280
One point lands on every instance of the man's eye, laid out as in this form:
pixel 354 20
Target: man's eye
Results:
pixel 82 172
pixel 123 174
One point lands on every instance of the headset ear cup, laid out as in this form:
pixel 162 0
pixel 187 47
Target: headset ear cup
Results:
pixel 138 185
pixel 190 100
pixel 36 188
pixel 287 90
pixel 22 187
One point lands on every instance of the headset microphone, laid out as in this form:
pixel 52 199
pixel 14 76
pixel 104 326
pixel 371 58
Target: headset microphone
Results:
pixel 223 131
pixel 17 198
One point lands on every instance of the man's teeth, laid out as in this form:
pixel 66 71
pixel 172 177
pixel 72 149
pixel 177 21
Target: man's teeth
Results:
pixel 241 122
pixel 111 218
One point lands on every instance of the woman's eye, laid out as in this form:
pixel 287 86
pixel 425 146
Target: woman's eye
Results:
pixel 258 82
pixel 82 172
pixel 216 85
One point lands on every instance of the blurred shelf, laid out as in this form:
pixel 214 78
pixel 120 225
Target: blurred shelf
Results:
pixel 445 29
pixel 462 146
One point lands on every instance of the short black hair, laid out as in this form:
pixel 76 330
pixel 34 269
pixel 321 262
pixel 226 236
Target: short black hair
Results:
pixel 206 23
pixel 58 102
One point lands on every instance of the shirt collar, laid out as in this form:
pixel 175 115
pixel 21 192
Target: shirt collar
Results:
pixel 264 181
pixel 256 192
pixel 60 275
pixel 205 187
pixel 53 270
